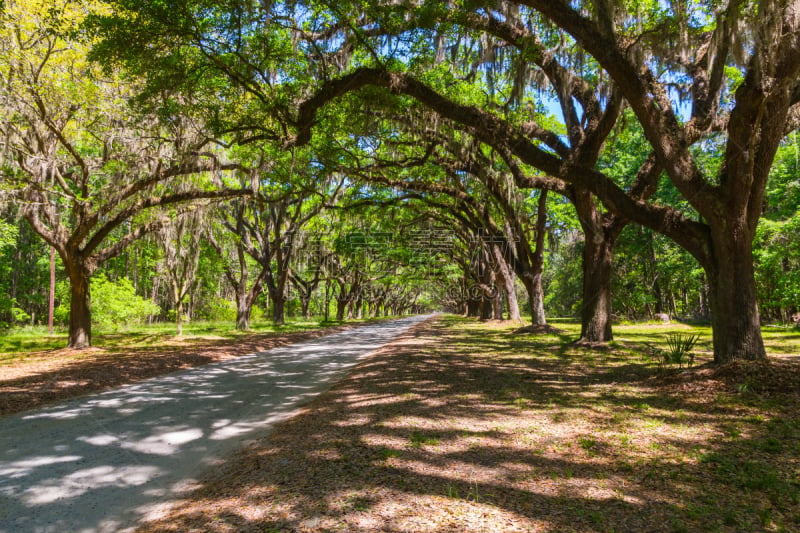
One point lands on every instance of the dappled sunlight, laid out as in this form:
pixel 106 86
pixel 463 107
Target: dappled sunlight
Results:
pixel 28 380
pixel 106 459
pixel 80 482
pixel 14 469
pixel 164 441
pixel 479 431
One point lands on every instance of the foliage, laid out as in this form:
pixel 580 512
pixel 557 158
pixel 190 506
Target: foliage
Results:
pixel 221 310
pixel 678 352
pixel 115 303
pixel 8 235
pixel 777 259
pixel 223 81
pixel 679 349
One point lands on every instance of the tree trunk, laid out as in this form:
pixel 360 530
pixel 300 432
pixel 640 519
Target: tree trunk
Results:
pixel 505 276
pixel 341 306
pixel 596 305
pixel 598 254
pixel 244 308
pixel 533 285
pixel 51 298
pixel 80 315
pixel 327 300
pixel 497 305
pixel 278 306
pixel 702 306
pixel 179 315
pixel 304 301
pixel 732 294
pixel 486 306
pixel 474 307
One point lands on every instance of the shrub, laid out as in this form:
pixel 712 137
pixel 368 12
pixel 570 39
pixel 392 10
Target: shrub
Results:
pixel 222 310
pixel 19 316
pixel 680 349
pixel 114 303
pixel 678 352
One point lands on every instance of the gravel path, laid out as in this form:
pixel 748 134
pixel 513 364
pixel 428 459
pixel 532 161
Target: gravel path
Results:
pixel 101 462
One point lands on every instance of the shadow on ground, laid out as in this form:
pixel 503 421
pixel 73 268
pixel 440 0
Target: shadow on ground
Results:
pixel 456 428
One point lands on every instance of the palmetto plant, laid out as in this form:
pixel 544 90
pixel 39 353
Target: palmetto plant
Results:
pixel 679 349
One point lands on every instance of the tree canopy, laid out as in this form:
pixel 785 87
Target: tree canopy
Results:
pixel 646 147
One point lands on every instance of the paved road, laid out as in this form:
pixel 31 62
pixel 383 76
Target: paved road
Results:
pixel 101 462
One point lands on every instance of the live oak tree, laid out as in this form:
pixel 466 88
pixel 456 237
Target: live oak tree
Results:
pixel 754 111
pixel 415 150
pixel 235 250
pixel 84 169
pixel 690 74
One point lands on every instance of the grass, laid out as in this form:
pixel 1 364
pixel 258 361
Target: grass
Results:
pixel 460 426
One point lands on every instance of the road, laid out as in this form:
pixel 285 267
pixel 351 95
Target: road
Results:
pixel 100 463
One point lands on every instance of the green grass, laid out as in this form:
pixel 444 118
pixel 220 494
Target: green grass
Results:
pixel 779 341
pixel 419 440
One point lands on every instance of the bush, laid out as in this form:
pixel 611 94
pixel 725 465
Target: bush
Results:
pixel 114 303
pixel 222 310
pixel 679 351
pixel 19 316
pixel 217 310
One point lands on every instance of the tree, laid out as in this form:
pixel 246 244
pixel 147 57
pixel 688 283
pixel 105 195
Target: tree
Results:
pixel 735 65
pixel 765 102
pixel 180 242
pixel 79 162
pixel 237 249
pixel 758 114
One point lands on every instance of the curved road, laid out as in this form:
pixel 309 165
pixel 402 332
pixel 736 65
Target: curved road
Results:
pixel 100 463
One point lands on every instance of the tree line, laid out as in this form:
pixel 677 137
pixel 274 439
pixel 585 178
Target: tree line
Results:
pixel 610 158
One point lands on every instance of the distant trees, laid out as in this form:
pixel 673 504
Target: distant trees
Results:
pixel 180 244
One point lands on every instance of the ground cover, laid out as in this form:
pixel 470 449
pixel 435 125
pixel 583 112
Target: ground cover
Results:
pixel 35 369
pixel 461 426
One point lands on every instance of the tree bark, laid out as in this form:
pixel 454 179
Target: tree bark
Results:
pixel 474 307
pixel 244 308
pixel 497 305
pixel 732 296
pixel 533 286
pixel 341 306
pixel 80 315
pixel 533 275
pixel 278 308
pixel 598 255
pixel 179 316
pixel 596 311
pixel 505 276
pixel 51 297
